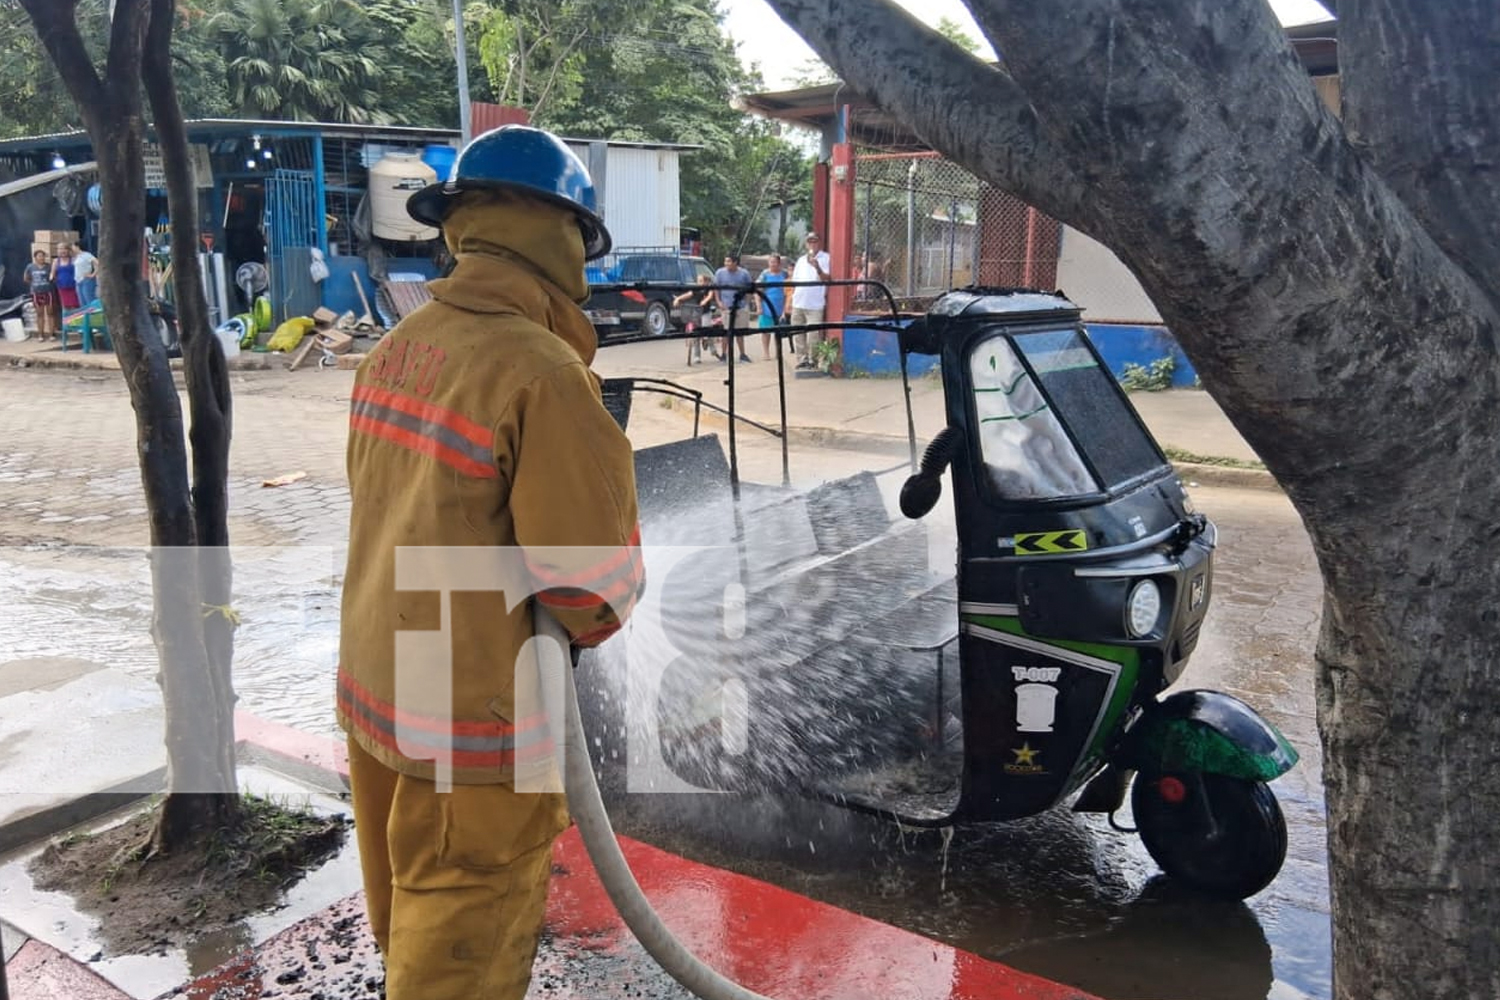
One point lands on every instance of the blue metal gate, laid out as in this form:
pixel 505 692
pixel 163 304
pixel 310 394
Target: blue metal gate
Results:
pixel 292 230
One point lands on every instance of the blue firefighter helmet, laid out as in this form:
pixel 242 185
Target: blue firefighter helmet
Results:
pixel 526 160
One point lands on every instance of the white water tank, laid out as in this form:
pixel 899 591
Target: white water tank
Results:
pixel 393 180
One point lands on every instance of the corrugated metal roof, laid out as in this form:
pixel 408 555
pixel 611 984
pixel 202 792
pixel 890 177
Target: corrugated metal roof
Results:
pixel 199 128
pixel 406 296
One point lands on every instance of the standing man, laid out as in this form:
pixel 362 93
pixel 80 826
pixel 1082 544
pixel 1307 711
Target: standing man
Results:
pixel 479 446
pixel 86 270
pixel 808 303
pixel 737 303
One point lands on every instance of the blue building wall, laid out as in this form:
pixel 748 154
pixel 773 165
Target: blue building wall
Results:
pixel 1120 345
pixel 875 352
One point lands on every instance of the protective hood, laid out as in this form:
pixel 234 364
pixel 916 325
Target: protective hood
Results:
pixel 544 237
pixel 497 280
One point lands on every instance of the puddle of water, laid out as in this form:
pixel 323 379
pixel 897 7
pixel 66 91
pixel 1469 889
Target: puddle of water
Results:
pixel 95 604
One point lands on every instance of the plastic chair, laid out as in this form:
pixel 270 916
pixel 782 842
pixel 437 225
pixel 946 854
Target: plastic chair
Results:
pixel 89 322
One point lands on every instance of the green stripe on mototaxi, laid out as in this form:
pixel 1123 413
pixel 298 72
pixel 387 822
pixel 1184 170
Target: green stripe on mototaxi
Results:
pixel 1127 657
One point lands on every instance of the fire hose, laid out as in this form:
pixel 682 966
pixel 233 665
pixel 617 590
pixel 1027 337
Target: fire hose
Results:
pixel 587 807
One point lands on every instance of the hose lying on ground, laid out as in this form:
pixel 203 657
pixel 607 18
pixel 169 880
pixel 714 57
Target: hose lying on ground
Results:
pixel 588 811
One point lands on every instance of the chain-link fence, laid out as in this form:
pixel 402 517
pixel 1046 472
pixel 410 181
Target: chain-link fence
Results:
pixel 923 225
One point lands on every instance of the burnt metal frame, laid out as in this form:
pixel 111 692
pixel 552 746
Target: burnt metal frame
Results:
pixel 780 332
pixel 937 645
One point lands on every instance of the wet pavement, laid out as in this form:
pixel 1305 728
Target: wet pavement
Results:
pixel 765 938
pixel 1062 895
pixel 1059 895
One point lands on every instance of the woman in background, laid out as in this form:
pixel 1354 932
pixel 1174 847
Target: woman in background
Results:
pixel 43 294
pixel 66 279
pixel 86 270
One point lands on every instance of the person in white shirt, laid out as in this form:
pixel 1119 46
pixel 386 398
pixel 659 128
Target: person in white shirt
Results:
pixel 808 304
pixel 86 270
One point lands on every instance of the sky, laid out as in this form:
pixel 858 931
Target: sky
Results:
pixel 781 54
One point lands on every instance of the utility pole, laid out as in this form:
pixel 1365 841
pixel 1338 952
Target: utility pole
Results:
pixel 463 77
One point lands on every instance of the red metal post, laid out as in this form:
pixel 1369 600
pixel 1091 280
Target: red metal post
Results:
pixel 839 239
pixel 820 198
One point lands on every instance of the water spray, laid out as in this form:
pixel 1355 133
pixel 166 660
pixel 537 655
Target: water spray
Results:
pixel 587 807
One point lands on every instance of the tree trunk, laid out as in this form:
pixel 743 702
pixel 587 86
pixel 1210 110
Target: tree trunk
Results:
pixel 1353 346
pixel 200 757
pixel 208 393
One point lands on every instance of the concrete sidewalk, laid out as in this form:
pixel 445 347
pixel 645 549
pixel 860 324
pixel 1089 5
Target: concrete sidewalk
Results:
pixel 849 412
pixel 856 413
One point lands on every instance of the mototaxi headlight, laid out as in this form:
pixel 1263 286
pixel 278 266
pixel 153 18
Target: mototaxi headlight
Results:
pixel 1143 609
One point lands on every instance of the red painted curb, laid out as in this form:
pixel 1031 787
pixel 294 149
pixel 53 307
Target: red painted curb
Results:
pixel 774 941
pixel 324 753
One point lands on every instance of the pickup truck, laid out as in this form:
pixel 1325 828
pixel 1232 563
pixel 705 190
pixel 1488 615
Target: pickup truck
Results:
pixel 656 277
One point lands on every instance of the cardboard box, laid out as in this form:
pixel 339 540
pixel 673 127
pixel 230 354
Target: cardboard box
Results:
pixel 335 341
pixel 324 316
pixel 55 236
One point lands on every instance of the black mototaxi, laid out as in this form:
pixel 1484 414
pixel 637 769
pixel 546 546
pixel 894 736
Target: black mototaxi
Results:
pixel 1032 671
pixel 1084 575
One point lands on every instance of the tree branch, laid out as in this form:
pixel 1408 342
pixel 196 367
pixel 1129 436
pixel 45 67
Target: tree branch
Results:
pixel 1275 253
pixel 1419 103
pixel 56 25
pixel 556 66
pixel 970 110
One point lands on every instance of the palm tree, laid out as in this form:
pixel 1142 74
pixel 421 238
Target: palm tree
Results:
pixel 307 60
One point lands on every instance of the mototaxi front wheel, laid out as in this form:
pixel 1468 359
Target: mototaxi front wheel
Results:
pixel 1224 836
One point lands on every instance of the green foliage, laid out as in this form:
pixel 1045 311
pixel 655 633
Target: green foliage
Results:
pixel 1153 378
pixel 658 71
pixel 33 99
pixel 418 82
pixel 307 60
pixel 956 33
pixel 534 50
pixel 198 63
pixel 826 355
pixel 666 72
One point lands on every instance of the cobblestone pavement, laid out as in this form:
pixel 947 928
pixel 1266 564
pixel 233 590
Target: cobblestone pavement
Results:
pixel 68 472
pixel 72 484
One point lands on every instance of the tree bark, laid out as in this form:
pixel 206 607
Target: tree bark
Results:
pixel 1419 81
pixel 113 116
pixel 1349 334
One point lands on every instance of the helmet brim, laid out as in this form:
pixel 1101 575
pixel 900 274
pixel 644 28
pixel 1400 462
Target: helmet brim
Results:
pixel 432 204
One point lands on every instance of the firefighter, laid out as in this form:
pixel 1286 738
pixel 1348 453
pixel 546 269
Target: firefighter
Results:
pixel 477 431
